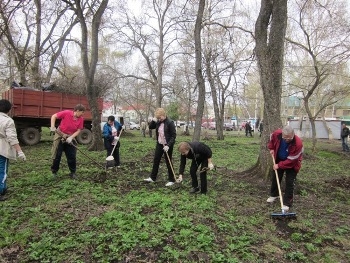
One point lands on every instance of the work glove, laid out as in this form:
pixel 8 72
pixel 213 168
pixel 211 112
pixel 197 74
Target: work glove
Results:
pixel 69 140
pixel 179 180
pixel 21 156
pixel 211 166
pixel 166 148
pixel 52 129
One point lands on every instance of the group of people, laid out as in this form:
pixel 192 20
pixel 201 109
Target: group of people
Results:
pixel 199 153
pixel 285 147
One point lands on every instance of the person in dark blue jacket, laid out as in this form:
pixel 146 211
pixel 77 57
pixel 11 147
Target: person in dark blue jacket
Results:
pixel 165 136
pixel 111 132
pixel 200 154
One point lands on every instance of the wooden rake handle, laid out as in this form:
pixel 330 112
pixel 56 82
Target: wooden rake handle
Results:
pixel 278 183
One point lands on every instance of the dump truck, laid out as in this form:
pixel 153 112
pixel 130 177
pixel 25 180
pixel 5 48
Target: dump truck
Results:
pixel 32 110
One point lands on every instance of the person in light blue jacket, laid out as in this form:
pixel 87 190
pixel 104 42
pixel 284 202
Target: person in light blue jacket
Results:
pixel 9 145
pixel 111 133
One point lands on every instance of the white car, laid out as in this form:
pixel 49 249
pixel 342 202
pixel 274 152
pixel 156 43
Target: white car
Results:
pixel 134 126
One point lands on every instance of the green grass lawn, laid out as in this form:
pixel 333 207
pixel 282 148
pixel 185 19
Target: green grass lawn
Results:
pixel 123 219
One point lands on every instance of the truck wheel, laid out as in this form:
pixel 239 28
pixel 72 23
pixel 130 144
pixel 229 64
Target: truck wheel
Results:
pixel 84 137
pixel 30 136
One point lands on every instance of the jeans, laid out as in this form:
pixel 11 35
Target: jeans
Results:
pixel 4 165
pixel 344 143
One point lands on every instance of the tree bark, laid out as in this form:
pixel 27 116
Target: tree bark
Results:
pixel 270 31
pixel 199 73
pixel 89 68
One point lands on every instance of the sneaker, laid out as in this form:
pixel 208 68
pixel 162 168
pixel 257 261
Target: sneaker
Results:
pixel 149 180
pixel 194 190
pixel 285 208
pixel 73 176
pixel 271 199
pixel 54 174
pixel 169 183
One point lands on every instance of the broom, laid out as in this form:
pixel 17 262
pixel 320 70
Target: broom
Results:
pixel 284 214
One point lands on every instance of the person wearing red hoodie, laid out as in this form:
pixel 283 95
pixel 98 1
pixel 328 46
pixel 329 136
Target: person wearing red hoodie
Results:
pixel 287 149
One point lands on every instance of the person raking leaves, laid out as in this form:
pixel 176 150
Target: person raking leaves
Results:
pixel 286 149
pixel 71 124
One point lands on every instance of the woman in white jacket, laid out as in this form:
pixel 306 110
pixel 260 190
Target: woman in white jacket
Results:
pixel 9 145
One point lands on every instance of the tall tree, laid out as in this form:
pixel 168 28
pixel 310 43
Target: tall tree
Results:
pixel 151 34
pixel 270 31
pixel 320 53
pixel 35 34
pixel 199 70
pixel 89 57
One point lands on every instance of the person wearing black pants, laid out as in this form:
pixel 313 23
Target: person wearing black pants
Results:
pixel 201 156
pixel 165 136
pixel 291 175
pixel 72 122
pixel 111 133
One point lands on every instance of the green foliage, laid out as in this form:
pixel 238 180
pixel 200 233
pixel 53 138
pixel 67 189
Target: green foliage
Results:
pixel 173 110
pixel 123 218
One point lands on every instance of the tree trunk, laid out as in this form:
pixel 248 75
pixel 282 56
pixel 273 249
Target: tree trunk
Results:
pixel 199 73
pixel 90 68
pixel 36 63
pixel 270 30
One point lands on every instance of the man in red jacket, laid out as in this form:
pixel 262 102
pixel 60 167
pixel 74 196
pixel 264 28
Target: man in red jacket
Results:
pixel 287 149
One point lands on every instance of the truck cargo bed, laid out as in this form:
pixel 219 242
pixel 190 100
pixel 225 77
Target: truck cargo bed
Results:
pixel 43 104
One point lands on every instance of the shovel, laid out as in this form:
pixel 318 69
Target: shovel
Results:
pixel 110 158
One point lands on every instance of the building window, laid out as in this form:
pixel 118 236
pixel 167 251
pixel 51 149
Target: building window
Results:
pixel 346 112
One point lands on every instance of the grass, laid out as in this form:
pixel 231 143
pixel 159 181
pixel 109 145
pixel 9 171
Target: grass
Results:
pixel 124 219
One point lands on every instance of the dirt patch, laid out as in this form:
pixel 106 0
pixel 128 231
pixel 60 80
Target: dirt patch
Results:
pixel 340 182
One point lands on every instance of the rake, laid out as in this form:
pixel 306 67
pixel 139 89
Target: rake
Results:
pixel 284 214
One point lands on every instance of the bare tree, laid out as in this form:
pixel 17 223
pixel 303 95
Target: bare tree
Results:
pixel 89 57
pixel 270 30
pixel 320 40
pixel 30 46
pixel 199 70
pixel 152 36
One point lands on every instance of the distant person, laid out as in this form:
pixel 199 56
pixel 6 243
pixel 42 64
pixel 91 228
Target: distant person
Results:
pixel 143 128
pixel 71 124
pixel 344 137
pixel 248 129
pixel 201 156
pixel 9 145
pixel 261 128
pixel 287 149
pixel 165 136
pixel 111 132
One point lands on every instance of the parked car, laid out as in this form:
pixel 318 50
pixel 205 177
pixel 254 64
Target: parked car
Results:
pixel 134 126
pixel 209 125
pixel 180 123
pixel 228 126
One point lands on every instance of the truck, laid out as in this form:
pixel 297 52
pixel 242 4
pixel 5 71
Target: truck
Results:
pixel 32 110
